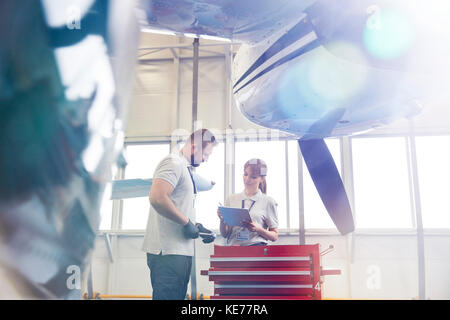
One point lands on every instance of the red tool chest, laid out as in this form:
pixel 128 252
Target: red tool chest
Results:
pixel 266 272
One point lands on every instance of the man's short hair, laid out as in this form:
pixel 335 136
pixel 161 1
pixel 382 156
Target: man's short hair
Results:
pixel 204 136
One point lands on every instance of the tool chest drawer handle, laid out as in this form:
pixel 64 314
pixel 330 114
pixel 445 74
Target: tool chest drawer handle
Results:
pixel 284 286
pixel 234 259
pixel 259 273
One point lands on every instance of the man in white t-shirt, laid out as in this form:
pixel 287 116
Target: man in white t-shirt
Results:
pixel 171 227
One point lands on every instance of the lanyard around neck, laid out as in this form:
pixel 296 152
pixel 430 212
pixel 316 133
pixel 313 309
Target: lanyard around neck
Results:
pixel 251 206
pixel 192 179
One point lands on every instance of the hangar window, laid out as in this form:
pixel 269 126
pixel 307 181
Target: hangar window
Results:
pixel 381 183
pixel 273 153
pixel 142 161
pixel 433 157
pixel 206 202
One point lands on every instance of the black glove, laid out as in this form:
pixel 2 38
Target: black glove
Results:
pixel 207 235
pixel 190 231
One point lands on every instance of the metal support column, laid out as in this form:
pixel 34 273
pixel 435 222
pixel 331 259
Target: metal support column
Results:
pixel 301 199
pixel 194 120
pixel 90 284
pixel 108 247
pixel 286 156
pixel 229 142
pixel 418 211
pixel 176 101
pixel 112 241
pixel 347 179
pixel 195 83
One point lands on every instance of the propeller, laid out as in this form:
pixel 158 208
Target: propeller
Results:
pixel 323 171
pixel 328 183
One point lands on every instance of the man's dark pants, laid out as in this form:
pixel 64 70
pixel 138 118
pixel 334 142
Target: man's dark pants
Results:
pixel 169 275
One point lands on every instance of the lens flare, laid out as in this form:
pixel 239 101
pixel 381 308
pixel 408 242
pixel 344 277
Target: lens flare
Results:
pixel 322 81
pixel 388 34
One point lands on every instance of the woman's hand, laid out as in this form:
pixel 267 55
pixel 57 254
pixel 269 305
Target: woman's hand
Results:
pixel 224 229
pixel 220 217
pixel 252 226
pixel 271 234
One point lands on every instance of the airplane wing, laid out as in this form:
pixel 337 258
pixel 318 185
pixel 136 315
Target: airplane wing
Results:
pixel 247 21
pixel 135 188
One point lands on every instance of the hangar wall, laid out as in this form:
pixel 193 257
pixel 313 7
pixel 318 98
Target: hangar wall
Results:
pixel 374 265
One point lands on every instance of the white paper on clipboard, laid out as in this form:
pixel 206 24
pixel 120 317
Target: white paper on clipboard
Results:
pixel 234 216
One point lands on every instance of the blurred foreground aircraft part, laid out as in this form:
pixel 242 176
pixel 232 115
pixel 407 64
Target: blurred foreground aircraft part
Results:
pixel 65 76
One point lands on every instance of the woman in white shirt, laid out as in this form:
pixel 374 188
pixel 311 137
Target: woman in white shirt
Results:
pixel 262 209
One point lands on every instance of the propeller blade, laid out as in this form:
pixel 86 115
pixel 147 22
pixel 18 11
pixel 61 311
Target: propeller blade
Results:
pixel 328 183
pixel 201 183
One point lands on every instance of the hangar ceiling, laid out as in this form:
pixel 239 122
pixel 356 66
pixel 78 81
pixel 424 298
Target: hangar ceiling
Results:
pixel 434 118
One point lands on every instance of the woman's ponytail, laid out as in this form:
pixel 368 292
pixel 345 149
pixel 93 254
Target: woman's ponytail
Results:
pixel 263 186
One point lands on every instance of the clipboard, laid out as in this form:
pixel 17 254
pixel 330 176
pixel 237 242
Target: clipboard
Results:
pixel 234 216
